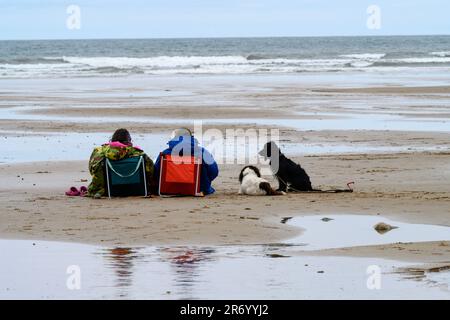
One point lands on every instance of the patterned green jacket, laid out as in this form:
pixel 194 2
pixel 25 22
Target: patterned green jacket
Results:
pixel 113 151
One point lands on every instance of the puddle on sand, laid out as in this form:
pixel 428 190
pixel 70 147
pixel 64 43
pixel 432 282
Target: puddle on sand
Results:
pixel 351 121
pixel 358 230
pixel 40 270
pixel 438 279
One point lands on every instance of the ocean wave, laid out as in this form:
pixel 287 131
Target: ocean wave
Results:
pixel 231 64
pixel 359 64
pixel 38 60
pixel 434 60
pixel 206 63
pixel 441 53
pixel 412 62
pixel 363 60
pixel 364 56
pixel 111 70
pixel 159 61
pixel 255 57
pixel 425 60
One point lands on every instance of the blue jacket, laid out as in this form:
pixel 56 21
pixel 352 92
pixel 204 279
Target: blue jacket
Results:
pixel 209 170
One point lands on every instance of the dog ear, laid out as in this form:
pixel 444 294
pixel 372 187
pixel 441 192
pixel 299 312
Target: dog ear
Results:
pixel 274 150
pixel 266 151
pixel 241 175
pixel 274 147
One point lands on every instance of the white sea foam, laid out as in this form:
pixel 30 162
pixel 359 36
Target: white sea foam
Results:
pixel 361 64
pixel 441 53
pixel 161 61
pixel 365 56
pixel 423 60
pixel 189 61
pixel 232 64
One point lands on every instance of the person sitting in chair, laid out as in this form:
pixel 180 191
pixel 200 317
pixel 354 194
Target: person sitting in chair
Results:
pixel 119 147
pixel 183 143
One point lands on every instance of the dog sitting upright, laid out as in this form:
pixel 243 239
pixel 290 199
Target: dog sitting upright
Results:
pixel 290 175
pixel 252 184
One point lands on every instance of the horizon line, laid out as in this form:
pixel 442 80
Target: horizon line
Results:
pixel 229 37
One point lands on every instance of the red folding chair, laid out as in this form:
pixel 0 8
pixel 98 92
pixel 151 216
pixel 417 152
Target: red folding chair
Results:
pixel 179 175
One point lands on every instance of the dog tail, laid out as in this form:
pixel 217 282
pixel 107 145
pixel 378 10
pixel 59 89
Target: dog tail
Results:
pixel 269 190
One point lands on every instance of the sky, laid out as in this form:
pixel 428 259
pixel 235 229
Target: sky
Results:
pixel 47 19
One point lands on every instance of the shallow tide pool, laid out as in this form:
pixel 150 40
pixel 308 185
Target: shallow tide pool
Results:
pixel 50 270
pixel 338 231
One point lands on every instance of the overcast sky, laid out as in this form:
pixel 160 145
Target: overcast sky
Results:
pixel 46 19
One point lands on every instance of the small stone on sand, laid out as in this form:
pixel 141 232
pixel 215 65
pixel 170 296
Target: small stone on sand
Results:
pixel 383 227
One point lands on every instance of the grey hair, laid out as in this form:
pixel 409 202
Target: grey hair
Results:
pixel 181 132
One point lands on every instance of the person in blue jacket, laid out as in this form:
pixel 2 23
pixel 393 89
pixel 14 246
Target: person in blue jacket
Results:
pixel 183 141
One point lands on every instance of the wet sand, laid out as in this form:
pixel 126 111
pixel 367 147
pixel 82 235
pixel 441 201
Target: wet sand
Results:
pixel 425 253
pixel 407 186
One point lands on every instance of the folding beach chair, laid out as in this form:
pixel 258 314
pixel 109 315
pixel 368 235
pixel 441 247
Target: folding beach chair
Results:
pixel 126 177
pixel 179 175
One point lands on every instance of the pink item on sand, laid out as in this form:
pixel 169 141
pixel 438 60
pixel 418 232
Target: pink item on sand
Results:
pixel 83 191
pixel 350 183
pixel 73 192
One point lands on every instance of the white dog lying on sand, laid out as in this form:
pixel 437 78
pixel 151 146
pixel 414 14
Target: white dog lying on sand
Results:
pixel 252 184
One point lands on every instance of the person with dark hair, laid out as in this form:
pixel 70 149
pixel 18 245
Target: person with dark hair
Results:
pixel 122 136
pixel 119 147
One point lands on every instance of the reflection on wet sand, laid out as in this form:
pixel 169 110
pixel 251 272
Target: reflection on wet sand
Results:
pixel 186 272
pixel 219 272
pixel 185 264
pixel 121 261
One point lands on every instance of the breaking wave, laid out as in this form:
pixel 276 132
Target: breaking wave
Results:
pixel 226 64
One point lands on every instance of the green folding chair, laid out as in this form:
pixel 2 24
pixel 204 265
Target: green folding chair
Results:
pixel 126 177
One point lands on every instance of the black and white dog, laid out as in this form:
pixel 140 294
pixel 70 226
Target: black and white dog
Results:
pixel 252 183
pixel 291 176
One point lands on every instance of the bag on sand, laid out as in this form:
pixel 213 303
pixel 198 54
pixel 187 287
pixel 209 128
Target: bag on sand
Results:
pixel 179 175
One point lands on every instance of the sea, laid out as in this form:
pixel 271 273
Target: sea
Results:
pixel 125 57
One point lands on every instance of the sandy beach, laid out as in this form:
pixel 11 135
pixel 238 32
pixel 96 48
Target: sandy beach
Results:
pixel 351 102
pixel 33 206
pixel 409 185
pixel 393 141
